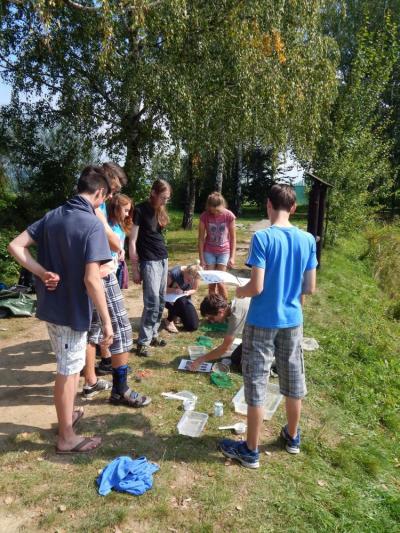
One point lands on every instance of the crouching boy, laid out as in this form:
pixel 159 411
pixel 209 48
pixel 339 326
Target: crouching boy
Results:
pixel 283 267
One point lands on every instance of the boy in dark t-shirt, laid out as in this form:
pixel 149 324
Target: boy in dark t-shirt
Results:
pixel 71 246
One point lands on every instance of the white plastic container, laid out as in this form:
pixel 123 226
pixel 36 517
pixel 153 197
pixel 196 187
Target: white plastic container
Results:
pixel 196 351
pixel 192 423
pixel 274 398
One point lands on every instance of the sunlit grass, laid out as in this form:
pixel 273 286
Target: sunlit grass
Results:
pixel 345 480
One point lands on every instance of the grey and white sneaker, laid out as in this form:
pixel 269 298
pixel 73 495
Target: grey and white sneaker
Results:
pixel 90 391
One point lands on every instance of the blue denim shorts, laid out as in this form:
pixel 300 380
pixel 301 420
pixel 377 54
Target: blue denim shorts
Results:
pixel 216 259
pixel 260 346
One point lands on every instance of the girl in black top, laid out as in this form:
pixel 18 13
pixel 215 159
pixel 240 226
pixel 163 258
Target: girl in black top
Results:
pixel 149 258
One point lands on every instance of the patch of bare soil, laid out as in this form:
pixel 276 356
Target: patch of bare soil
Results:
pixel 27 372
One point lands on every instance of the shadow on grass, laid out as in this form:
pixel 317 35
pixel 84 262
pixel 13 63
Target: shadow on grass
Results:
pixel 130 433
pixel 22 379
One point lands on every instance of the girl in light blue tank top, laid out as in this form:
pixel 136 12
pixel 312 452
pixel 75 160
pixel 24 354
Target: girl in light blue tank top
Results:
pixel 119 217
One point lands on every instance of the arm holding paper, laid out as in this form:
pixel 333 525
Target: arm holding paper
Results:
pixel 254 286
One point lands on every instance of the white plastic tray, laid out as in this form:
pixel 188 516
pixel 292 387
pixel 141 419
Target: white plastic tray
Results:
pixel 192 423
pixel 274 398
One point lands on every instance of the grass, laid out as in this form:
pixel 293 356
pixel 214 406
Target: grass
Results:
pixel 345 480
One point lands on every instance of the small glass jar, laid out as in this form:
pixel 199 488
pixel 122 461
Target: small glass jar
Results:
pixel 189 405
pixel 218 409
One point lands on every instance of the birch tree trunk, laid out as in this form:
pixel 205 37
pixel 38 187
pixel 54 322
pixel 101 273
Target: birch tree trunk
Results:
pixel 187 221
pixel 237 183
pixel 220 169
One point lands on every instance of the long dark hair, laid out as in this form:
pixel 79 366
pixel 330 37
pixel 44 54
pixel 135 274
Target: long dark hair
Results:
pixel 158 187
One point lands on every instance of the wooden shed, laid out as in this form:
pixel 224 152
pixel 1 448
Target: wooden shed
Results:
pixel 317 202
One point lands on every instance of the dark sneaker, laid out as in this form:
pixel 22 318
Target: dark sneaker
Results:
pixel 142 350
pixel 238 450
pixel 292 445
pixel 89 392
pixel 156 341
pixel 103 368
pixel 130 398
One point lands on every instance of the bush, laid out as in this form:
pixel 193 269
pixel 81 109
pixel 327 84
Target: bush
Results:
pixel 384 252
pixel 9 269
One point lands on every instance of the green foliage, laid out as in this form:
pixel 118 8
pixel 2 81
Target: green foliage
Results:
pixel 354 153
pixel 384 253
pixel 9 269
pixel 46 163
pixel 207 74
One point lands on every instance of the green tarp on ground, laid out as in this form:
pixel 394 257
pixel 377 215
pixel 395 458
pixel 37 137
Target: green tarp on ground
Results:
pixel 16 303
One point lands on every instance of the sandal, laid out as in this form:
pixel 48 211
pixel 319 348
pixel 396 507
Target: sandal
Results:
pixel 130 398
pixel 78 447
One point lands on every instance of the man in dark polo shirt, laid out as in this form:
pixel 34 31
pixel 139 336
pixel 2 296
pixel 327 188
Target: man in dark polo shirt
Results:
pixel 71 245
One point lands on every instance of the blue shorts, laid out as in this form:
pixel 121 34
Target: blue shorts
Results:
pixel 216 259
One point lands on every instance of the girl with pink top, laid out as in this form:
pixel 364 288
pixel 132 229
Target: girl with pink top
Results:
pixel 217 239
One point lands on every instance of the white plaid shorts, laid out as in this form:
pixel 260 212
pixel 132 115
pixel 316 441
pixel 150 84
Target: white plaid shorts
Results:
pixel 122 329
pixel 70 348
pixel 260 346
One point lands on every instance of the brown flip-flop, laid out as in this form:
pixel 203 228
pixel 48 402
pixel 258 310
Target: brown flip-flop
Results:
pixel 78 447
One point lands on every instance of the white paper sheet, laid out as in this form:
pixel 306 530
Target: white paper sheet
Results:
pixel 219 276
pixel 171 297
pixel 185 363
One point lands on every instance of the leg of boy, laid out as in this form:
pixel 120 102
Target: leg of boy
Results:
pixel 254 423
pixel 69 347
pixel 258 354
pixel 119 349
pixel 89 370
pixel 258 347
pixel 293 412
pixel 290 366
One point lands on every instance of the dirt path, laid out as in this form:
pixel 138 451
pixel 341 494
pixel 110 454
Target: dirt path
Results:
pixel 27 371
pixel 27 365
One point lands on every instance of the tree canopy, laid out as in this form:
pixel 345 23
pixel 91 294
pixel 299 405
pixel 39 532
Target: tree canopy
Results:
pixel 204 74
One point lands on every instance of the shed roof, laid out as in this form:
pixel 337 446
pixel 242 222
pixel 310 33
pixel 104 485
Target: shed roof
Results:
pixel 316 178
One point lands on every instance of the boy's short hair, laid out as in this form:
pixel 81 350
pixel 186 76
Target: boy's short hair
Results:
pixel 212 304
pixel 112 171
pixel 92 179
pixel 282 197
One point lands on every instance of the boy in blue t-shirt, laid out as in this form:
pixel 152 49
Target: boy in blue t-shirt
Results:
pixel 283 268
